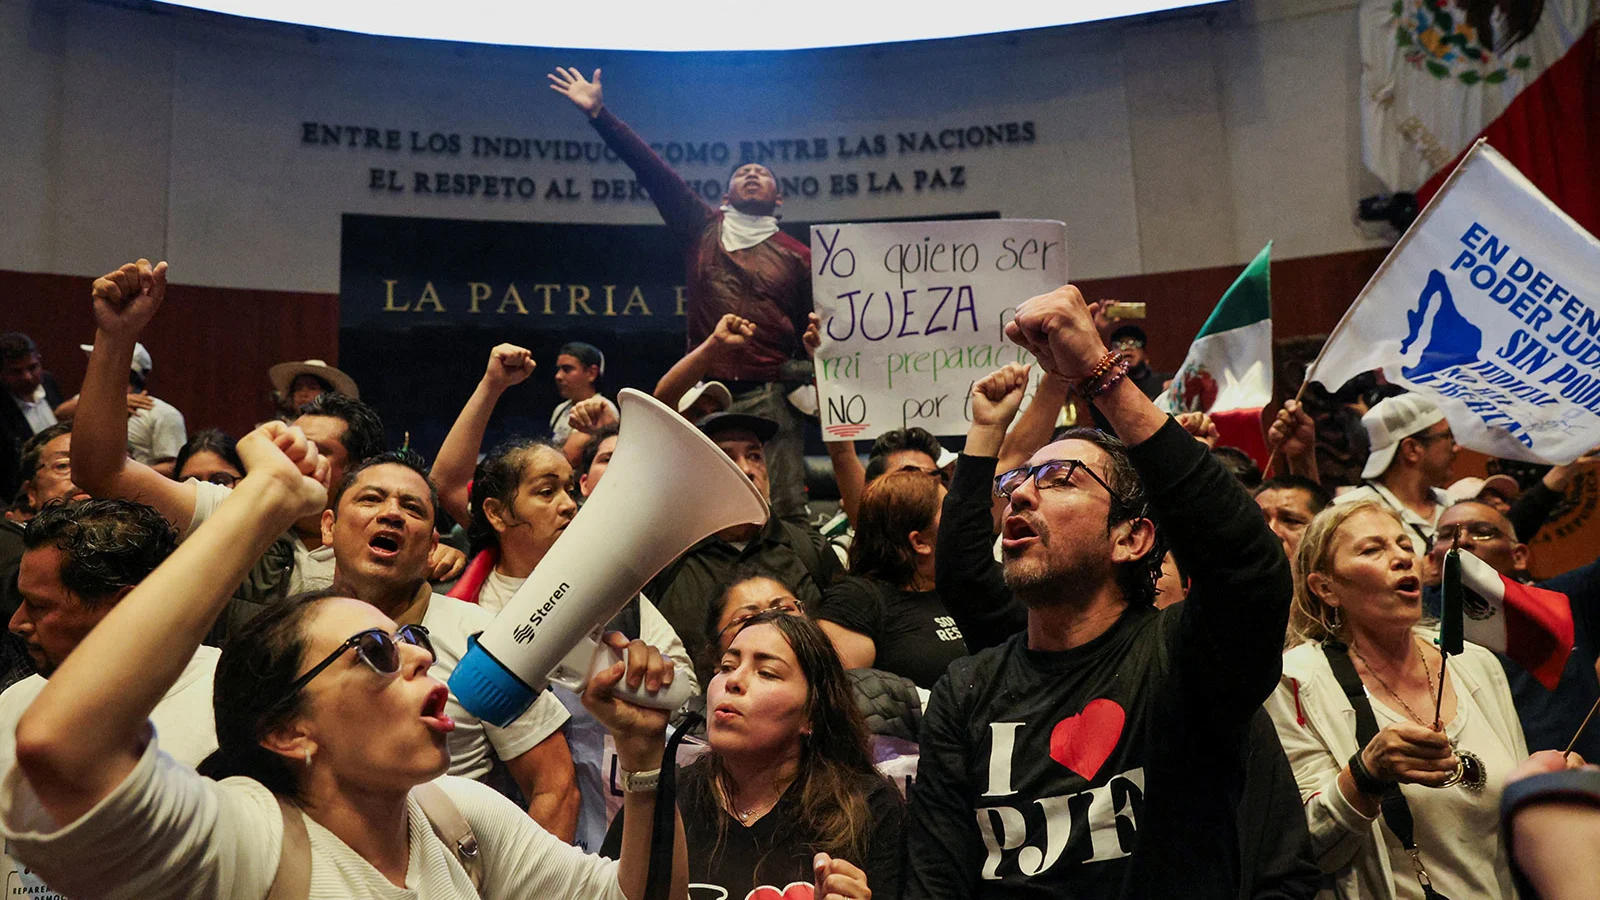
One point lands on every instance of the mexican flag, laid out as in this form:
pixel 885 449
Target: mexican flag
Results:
pixel 1530 625
pixel 1228 371
pixel 1438 74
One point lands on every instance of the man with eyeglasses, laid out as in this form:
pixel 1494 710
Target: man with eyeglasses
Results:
pixel 1409 464
pixel 1549 718
pixel 82 557
pixel 1101 751
pixel 46 479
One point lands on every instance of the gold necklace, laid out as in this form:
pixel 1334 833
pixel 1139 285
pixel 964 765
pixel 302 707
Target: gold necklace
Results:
pixel 1425 671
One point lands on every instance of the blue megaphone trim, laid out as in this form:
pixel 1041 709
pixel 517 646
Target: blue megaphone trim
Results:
pixel 487 689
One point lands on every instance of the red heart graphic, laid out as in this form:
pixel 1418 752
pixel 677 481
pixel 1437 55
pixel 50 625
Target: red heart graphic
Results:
pixel 1084 741
pixel 796 890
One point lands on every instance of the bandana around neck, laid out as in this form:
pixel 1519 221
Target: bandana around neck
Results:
pixel 741 231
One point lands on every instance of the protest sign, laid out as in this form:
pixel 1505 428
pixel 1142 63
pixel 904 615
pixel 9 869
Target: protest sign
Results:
pixel 914 312
pixel 1489 305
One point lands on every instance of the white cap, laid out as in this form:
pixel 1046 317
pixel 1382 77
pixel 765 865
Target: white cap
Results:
pixel 1473 487
pixel 141 358
pixel 1394 419
pixel 716 390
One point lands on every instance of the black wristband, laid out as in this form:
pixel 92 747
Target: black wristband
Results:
pixel 1366 782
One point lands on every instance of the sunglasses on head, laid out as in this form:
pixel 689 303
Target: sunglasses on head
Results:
pixel 375 647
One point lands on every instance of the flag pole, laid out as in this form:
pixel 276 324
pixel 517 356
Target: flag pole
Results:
pixel 1355 304
pixel 1574 741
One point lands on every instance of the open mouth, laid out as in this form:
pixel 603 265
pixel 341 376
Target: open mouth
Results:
pixel 384 544
pixel 433 710
pixel 1409 586
pixel 1016 533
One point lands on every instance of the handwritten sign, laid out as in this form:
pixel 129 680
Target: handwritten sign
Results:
pixel 914 312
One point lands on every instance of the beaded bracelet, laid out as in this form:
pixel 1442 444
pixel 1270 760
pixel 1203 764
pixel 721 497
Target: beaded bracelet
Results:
pixel 1112 368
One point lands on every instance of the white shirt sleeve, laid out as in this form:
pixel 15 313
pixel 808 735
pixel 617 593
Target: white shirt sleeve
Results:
pixel 163 832
pixel 207 497
pixel 544 718
pixel 520 858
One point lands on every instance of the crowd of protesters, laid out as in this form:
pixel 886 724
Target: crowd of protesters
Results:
pixel 1108 660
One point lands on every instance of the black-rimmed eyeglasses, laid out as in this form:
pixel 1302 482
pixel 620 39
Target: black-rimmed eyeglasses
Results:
pixel 1052 473
pixel 375 647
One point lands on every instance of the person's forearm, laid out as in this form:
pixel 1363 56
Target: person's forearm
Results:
pixel 555 808
pixel 83 739
pixel 638 826
pixel 1035 425
pixel 100 426
pixel 1303 465
pixel 458 455
pixel 1131 414
pixel 1550 840
pixel 685 373
pixel 849 475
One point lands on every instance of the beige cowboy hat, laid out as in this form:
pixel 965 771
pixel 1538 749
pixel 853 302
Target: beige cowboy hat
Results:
pixel 284 374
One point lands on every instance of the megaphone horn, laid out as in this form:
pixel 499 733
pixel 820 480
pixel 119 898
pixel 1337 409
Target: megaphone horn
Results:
pixel 666 488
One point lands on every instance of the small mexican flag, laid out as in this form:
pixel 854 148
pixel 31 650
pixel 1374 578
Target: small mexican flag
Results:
pixel 1228 372
pixel 1531 625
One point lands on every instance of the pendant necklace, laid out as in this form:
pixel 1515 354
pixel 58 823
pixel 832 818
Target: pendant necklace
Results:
pixel 1470 772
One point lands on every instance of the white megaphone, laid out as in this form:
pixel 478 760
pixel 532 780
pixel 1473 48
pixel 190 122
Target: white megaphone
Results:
pixel 666 488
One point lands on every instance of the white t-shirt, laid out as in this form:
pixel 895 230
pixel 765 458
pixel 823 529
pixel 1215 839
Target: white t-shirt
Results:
pixel 156 434
pixel 654 629
pixel 37 410
pixel 450 622
pixel 312 569
pixel 560 430
pixel 183 719
pixel 167 832
pixel 1457 832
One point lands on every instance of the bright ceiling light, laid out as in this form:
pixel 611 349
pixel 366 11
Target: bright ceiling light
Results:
pixel 693 25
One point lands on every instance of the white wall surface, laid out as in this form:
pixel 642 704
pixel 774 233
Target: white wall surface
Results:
pixel 1165 143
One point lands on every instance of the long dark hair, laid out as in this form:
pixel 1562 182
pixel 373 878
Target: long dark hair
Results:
pixel 834 759
pixel 250 697
pixel 498 477
pixel 891 508
pixel 209 440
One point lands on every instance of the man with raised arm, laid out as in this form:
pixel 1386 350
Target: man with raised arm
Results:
pixel 1100 752
pixel 345 430
pixel 736 261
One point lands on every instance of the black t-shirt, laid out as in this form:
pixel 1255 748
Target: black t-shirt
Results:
pixel 914 634
pixel 1113 769
pixel 772 852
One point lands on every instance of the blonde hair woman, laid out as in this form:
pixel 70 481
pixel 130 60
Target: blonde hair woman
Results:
pixel 1355 709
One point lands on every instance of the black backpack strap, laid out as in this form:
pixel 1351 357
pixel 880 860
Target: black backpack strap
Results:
pixel 1396 812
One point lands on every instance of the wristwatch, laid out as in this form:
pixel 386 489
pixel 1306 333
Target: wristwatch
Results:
pixel 640 782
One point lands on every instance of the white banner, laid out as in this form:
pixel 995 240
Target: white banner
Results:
pixel 1490 305
pixel 914 312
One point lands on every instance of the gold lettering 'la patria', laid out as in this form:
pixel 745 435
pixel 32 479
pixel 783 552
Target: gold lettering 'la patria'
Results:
pixel 540 299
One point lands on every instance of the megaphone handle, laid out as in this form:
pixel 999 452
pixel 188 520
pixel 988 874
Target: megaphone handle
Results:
pixel 668 698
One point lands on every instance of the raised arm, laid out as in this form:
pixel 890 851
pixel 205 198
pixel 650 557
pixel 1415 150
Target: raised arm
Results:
pixel 640 736
pixel 725 342
pixel 1238 608
pixel 680 207
pixel 966 574
pixel 458 456
pixel 80 740
pixel 124 303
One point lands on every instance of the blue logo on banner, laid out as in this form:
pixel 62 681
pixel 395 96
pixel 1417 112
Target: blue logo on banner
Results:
pixel 1453 340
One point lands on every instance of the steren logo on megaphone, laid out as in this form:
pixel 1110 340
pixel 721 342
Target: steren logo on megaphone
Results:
pixel 525 632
